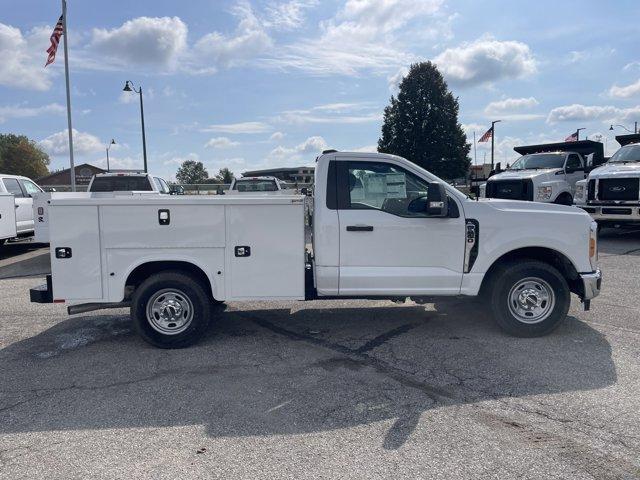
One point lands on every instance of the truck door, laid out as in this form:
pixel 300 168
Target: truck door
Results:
pixel 24 210
pixel 574 171
pixel 385 249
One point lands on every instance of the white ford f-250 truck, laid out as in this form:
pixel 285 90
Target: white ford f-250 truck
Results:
pixel 611 194
pixel 545 173
pixel 382 228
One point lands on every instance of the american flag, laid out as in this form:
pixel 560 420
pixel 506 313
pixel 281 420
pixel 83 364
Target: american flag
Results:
pixel 487 135
pixel 572 138
pixel 55 40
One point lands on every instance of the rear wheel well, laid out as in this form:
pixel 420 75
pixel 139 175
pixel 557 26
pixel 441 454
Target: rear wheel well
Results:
pixel 542 254
pixel 144 271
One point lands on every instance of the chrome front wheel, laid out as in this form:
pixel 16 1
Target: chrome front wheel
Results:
pixel 531 300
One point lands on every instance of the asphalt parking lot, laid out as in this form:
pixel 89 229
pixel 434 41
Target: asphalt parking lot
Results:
pixel 333 389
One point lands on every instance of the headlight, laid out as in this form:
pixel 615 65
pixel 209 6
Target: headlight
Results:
pixel 544 193
pixel 593 245
pixel 579 191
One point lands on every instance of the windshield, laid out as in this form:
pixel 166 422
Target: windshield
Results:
pixel 539 160
pixel 255 186
pixel 628 153
pixel 120 184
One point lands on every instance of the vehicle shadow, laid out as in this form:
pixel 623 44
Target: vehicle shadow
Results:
pixel 13 249
pixel 278 371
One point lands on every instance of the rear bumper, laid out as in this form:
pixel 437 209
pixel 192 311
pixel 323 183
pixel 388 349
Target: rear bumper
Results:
pixel 592 283
pixel 42 293
pixel 613 213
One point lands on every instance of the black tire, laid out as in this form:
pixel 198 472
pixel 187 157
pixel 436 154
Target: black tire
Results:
pixel 180 293
pixel 564 199
pixel 509 281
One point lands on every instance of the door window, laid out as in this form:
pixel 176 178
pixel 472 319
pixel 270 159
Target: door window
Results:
pixel 12 186
pixel 384 187
pixel 30 187
pixel 574 162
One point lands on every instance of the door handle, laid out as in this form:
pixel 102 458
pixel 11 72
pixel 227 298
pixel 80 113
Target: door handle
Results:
pixel 359 228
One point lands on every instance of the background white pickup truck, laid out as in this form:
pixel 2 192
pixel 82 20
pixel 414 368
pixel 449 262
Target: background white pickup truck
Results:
pixel 382 228
pixel 611 194
pixel 542 177
pixel 7 217
pixel 23 190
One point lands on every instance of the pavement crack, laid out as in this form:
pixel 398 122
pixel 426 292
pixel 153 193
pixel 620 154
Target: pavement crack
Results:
pixel 382 339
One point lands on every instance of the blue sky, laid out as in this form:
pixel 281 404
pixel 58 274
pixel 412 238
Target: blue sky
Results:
pixel 268 83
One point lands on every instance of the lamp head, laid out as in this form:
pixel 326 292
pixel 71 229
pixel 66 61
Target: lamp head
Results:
pixel 113 142
pixel 127 87
pixel 611 127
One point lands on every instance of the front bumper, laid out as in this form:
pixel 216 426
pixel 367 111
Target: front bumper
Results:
pixel 613 213
pixel 591 283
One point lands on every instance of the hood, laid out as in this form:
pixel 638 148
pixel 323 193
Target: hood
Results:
pixel 527 206
pixel 612 170
pixel 521 174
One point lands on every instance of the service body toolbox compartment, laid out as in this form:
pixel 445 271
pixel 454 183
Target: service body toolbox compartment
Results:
pixel 249 248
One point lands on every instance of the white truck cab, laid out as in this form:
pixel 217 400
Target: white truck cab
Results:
pixel 23 189
pixel 611 194
pixel 253 185
pixel 382 227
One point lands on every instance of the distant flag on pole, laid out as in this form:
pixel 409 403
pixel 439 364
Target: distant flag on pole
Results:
pixel 572 138
pixel 55 40
pixel 487 136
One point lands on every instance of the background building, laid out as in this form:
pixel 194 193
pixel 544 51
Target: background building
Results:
pixel 62 178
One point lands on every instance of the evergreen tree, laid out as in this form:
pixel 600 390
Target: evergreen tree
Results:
pixel 421 124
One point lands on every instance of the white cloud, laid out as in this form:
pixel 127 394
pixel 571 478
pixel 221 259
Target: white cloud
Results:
pixel 179 159
pixel 362 36
pixel 485 61
pixel 287 156
pixel 513 108
pixel 333 113
pixel 221 142
pixel 83 143
pixel 606 113
pixel 395 79
pixel 242 127
pixel 288 15
pixel 511 104
pixel 249 40
pixel 625 91
pixel 275 136
pixel 151 41
pixel 18 111
pixel 23 58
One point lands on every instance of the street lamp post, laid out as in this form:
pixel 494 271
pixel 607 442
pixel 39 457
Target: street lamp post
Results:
pixel 128 87
pixel 635 127
pixel 578 133
pixel 113 142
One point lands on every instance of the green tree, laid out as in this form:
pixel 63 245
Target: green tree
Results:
pixel 421 124
pixel 225 176
pixel 21 156
pixel 191 172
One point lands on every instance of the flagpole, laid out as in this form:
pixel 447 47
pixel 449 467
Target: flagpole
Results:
pixel 72 170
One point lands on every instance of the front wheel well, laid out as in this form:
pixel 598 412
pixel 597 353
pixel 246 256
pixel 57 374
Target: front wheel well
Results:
pixel 542 254
pixel 144 271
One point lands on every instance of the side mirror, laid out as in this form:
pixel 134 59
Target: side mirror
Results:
pixel 437 201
